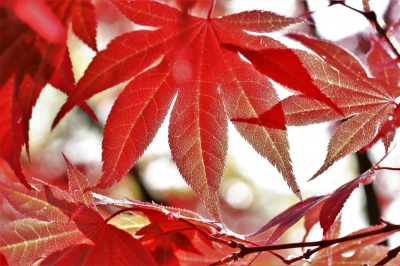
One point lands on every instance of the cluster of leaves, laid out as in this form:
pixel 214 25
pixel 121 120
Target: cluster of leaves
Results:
pixel 192 63
pixel 34 53
pixel 66 227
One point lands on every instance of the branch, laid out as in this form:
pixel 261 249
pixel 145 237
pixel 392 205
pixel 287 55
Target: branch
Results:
pixel 371 16
pixel 386 168
pixel 211 10
pixel 245 250
pixel 390 255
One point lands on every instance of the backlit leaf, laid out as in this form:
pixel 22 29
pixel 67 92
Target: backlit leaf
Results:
pixel 285 67
pixel 334 203
pixel 59 230
pixel 11 132
pixel 112 246
pixel 289 217
pixel 84 22
pixel 366 102
pixel 32 50
pixel 78 185
pixel 25 241
pixel 203 83
pixel 47 229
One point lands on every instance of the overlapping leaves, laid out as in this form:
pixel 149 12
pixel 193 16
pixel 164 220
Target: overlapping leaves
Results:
pixel 33 53
pixel 60 226
pixel 194 61
pixel 65 228
pixel 210 83
pixel 367 102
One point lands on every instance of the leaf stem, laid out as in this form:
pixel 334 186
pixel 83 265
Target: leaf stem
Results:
pixel 211 9
pixel 386 168
pixel 117 213
pixel 202 232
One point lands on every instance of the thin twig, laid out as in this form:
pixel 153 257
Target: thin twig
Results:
pixel 211 10
pixel 306 255
pixel 371 16
pixel 386 168
pixel 245 250
pixel 389 256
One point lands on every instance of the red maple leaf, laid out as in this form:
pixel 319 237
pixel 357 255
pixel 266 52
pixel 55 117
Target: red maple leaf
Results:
pixel 45 230
pixel 287 218
pixel 33 53
pixel 369 103
pixel 387 70
pixel 284 66
pixel 84 22
pixel 60 226
pixel 210 83
pixel 164 245
pixel 112 246
pixel 176 236
pixel 11 133
pixel 366 102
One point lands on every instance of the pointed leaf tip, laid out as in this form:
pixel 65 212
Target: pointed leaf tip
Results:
pixel 337 199
pixel 298 194
pixel 287 218
pixel 352 135
pixel 11 130
pixel 79 187
pixel 198 128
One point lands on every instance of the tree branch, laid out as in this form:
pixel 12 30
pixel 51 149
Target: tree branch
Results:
pixel 371 16
pixel 245 250
pixel 386 168
pixel 390 255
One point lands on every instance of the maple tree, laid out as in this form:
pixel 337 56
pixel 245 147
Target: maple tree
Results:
pixel 208 70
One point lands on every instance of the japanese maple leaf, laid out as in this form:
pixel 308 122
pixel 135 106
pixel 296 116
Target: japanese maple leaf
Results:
pixel 163 245
pixel 112 246
pixel 210 84
pixel 47 21
pixel 33 53
pixel 289 217
pixel 174 236
pixel 45 230
pixel 11 133
pixel 387 69
pixel 62 226
pixel 331 208
pixel 366 102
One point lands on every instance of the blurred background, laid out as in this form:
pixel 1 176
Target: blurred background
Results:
pixel 252 191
